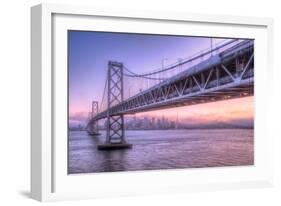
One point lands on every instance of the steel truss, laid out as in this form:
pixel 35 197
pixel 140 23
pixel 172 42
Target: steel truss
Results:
pixel 115 123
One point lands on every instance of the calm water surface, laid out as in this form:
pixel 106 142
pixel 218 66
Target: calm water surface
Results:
pixel 162 149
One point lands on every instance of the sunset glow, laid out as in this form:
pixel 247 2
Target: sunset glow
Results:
pixel 235 109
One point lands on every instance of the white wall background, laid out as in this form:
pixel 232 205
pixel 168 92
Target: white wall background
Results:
pixel 15 101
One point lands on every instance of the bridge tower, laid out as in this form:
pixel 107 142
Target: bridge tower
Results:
pixel 115 132
pixel 93 128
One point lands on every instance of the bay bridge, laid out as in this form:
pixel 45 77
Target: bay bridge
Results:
pixel 222 72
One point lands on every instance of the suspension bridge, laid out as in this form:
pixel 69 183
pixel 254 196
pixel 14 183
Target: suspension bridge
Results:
pixel 222 72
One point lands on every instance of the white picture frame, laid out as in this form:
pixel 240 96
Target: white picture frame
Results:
pixel 49 180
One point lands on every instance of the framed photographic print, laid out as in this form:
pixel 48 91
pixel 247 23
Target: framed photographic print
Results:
pixel 133 102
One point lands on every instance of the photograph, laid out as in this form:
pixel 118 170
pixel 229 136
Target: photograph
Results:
pixel 140 101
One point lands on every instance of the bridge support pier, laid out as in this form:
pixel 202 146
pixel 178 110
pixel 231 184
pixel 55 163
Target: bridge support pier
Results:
pixel 93 128
pixel 115 136
pixel 115 132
